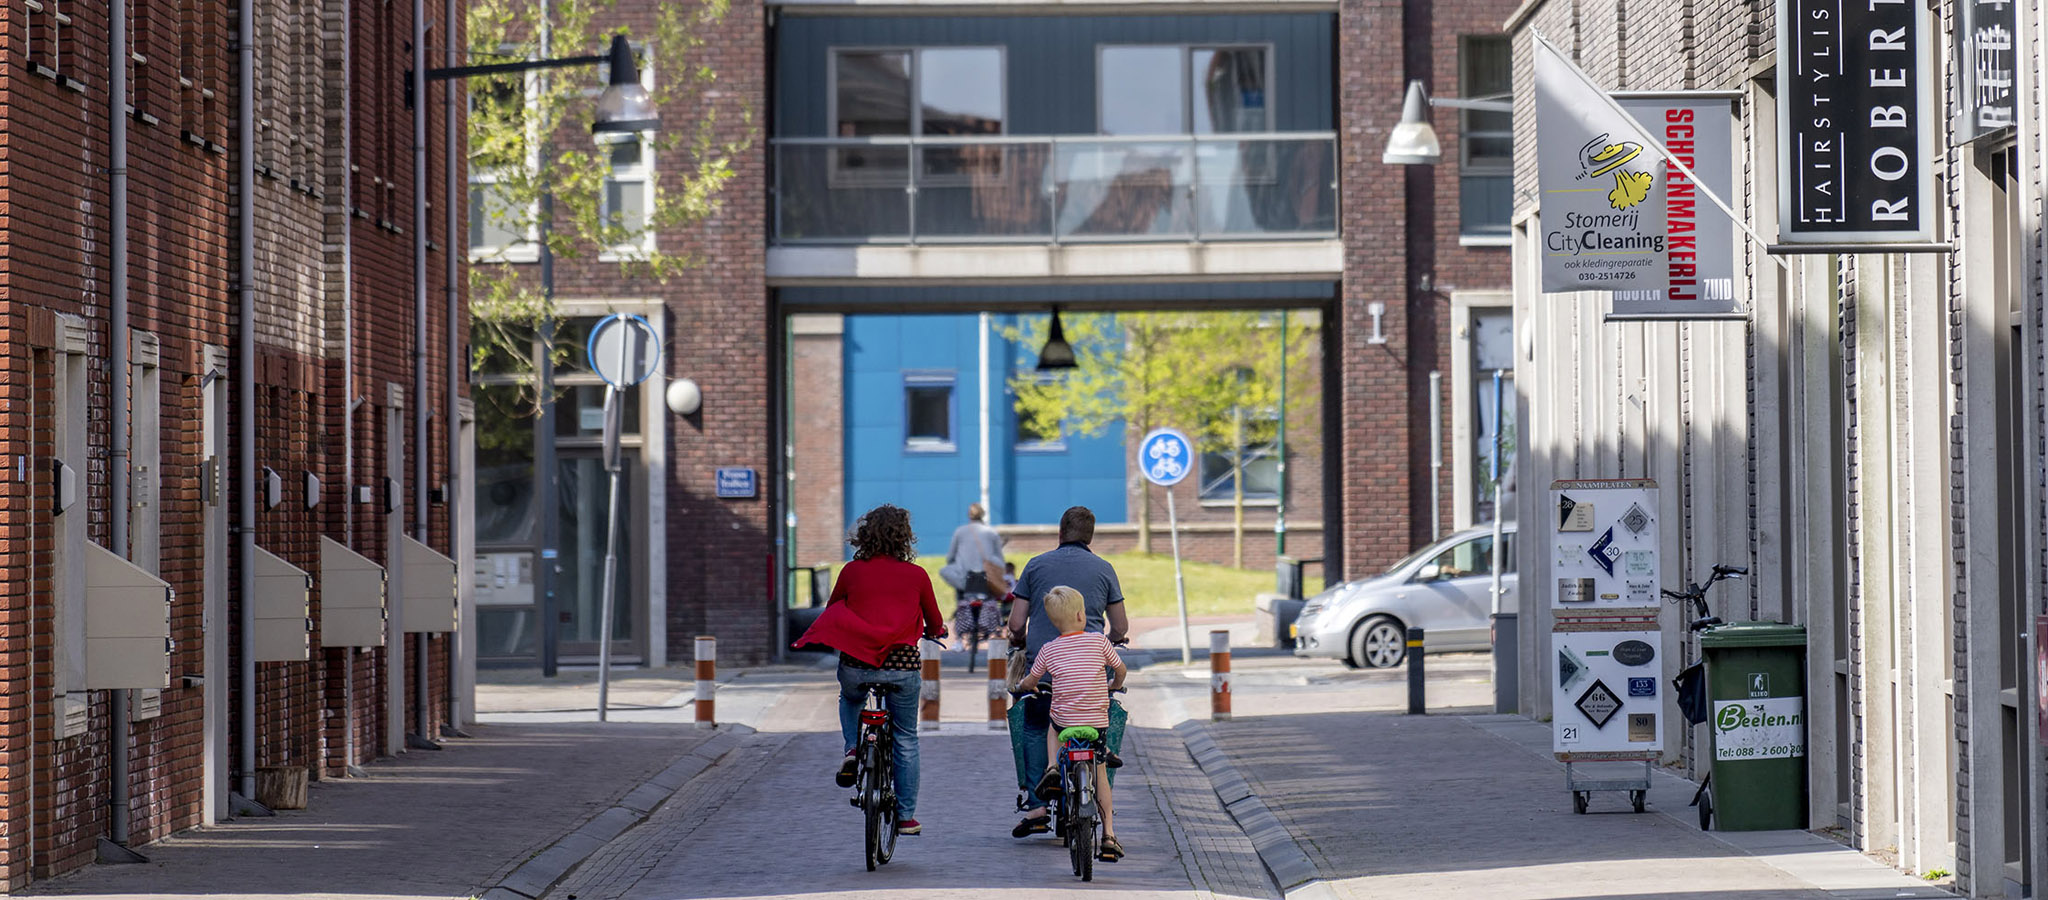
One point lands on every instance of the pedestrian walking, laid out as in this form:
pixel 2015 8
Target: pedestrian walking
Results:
pixel 880 605
pixel 1073 565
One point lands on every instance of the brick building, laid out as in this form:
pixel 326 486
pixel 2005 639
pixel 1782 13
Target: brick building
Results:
pixel 262 268
pixel 1026 197
pixel 1864 435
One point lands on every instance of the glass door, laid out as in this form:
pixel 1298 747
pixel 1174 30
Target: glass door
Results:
pixel 585 492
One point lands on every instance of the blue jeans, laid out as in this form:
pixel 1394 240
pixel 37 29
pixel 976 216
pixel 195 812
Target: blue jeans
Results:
pixel 902 716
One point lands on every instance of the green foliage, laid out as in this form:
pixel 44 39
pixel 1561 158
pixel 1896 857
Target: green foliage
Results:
pixel 1192 371
pixel 529 132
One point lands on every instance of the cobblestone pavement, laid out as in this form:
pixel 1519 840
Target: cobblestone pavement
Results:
pixel 768 823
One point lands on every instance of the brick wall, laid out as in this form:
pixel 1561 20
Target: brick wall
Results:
pixel 1399 226
pixel 817 409
pixel 53 261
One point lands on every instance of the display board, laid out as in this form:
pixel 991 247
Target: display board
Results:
pixel 1604 545
pixel 1605 694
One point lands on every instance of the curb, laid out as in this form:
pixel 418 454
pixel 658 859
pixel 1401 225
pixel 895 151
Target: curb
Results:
pixel 543 870
pixel 1285 861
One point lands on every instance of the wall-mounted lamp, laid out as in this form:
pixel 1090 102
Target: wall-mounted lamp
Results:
pixel 273 488
pixel 1414 141
pixel 311 483
pixel 684 397
pixel 1377 310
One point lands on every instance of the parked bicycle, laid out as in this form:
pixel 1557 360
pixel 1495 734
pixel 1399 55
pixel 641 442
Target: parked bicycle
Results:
pixel 975 621
pixel 1697 595
pixel 874 790
pixel 1691 683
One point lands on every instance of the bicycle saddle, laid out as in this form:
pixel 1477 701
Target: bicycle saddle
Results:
pixel 879 687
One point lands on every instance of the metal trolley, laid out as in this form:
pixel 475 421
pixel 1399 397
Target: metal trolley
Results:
pixel 1582 787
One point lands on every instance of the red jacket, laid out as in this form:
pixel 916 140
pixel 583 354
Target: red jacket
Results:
pixel 877 604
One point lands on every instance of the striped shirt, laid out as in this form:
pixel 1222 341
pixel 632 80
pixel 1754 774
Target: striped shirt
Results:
pixel 1080 691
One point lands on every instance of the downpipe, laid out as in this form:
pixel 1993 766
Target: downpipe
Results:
pixel 114 847
pixel 456 247
pixel 245 397
pixel 422 736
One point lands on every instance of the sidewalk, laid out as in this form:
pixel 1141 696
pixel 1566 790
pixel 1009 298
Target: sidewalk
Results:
pixel 1383 804
pixel 446 823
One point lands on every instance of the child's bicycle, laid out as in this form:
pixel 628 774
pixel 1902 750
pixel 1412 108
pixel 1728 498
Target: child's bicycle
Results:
pixel 874 791
pixel 1076 815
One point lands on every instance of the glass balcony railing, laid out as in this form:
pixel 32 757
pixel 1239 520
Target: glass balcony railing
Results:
pixel 1055 189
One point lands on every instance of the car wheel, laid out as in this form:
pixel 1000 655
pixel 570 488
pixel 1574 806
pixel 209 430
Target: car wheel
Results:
pixel 1379 643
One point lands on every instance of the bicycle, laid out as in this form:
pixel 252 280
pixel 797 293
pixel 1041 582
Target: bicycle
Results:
pixel 874 790
pixel 968 625
pixel 1697 595
pixel 1076 817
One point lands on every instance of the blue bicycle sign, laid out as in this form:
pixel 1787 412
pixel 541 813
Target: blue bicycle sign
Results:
pixel 1166 457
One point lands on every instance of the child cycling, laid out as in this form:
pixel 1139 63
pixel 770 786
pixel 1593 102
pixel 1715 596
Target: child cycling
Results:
pixel 1074 663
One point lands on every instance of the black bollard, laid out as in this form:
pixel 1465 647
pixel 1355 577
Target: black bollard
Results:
pixel 1415 706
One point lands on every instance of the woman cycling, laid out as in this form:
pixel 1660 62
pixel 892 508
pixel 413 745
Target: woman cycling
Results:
pixel 881 603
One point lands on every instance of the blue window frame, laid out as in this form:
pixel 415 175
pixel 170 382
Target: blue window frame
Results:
pixel 928 410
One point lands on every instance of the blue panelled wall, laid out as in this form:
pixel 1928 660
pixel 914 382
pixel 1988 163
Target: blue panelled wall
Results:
pixel 888 358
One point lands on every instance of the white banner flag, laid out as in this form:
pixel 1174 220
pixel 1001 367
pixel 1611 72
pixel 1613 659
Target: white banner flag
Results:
pixel 1602 182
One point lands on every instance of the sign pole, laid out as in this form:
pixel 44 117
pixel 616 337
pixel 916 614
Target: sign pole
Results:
pixel 1180 587
pixel 628 369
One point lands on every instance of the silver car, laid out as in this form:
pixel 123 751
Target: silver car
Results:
pixel 1445 588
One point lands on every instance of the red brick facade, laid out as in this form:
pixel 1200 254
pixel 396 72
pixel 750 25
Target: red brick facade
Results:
pixel 55 302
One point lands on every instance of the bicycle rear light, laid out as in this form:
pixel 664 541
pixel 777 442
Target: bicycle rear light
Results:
pixel 874 716
pixel 1081 755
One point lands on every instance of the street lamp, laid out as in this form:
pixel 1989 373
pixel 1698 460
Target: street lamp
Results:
pixel 623 111
pixel 1057 353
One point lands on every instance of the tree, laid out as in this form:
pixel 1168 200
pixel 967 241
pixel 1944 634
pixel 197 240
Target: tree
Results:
pixel 514 123
pixel 1213 375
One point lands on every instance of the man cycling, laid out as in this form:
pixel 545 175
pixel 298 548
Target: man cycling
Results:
pixel 1075 566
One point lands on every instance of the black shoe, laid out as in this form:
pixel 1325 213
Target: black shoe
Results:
pixel 1049 787
pixel 1111 760
pixel 849 769
pixel 1029 826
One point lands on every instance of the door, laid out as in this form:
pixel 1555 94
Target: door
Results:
pixel 1458 585
pixel 585 491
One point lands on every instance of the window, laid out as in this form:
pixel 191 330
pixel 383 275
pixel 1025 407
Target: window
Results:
pixel 48 31
pixel 1486 139
pixel 928 411
pixel 1493 349
pixel 931 91
pixel 1037 430
pixel 1261 463
pixel 1461 560
pixel 499 230
pixel 629 195
pixel 1159 90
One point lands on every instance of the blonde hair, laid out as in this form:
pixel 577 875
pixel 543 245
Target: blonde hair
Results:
pixel 1066 609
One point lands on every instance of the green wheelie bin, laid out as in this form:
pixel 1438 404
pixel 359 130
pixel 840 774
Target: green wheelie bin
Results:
pixel 1756 680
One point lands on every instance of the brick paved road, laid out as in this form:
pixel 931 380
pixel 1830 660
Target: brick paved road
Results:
pixel 772 825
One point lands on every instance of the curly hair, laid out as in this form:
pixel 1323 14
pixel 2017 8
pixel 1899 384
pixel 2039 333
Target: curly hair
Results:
pixel 884 532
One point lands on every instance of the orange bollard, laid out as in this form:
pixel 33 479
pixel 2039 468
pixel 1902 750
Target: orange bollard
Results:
pixel 998 693
pixel 707 673
pixel 1219 675
pixel 928 717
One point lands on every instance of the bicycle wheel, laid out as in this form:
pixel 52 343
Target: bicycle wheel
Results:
pixel 973 644
pixel 1084 847
pixel 886 806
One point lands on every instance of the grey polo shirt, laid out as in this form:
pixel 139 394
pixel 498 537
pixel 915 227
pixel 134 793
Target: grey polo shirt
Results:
pixel 1077 567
